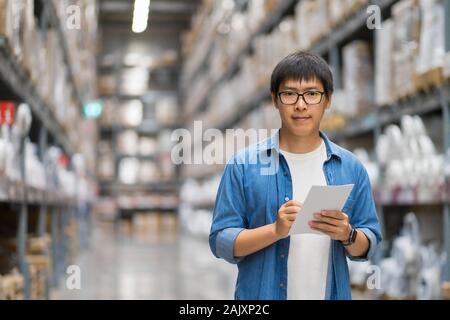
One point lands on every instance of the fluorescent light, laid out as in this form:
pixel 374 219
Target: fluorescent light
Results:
pixel 140 15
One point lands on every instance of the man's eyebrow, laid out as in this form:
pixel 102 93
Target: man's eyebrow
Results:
pixel 305 89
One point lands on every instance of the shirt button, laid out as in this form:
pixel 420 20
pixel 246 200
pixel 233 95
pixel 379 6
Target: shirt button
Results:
pixel 282 256
pixel 281 285
pixel 286 174
pixel 286 199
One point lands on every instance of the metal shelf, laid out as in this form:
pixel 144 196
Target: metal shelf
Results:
pixel 18 192
pixel 18 81
pixel 154 157
pixel 151 187
pixel 420 104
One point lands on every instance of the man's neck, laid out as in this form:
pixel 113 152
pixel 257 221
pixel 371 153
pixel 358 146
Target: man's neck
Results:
pixel 295 144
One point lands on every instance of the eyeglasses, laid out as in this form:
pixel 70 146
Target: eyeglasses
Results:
pixel 310 97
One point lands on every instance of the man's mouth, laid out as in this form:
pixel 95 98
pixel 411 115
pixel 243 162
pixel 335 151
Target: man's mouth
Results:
pixel 301 118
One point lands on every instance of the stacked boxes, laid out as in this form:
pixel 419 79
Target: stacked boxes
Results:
pixel 358 78
pixel 384 93
pixel 406 41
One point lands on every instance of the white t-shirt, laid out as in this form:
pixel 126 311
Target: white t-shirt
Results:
pixel 308 253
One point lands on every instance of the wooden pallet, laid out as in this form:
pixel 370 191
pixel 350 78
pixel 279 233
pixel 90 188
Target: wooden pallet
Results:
pixel 446 290
pixel 430 79
pixel 11 286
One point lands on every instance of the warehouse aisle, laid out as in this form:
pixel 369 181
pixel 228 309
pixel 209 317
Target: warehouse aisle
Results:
pixel 159 267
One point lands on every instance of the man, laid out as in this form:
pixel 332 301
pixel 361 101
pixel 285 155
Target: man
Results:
pixel 255 207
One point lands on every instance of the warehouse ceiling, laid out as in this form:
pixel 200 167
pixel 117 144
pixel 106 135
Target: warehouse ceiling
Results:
pixel 123 53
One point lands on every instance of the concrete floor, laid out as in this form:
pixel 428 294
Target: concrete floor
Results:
pixel 152 267
pixel 156 268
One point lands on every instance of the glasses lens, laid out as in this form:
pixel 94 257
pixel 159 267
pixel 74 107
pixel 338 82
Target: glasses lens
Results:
pixel 288 97
pixel 313 97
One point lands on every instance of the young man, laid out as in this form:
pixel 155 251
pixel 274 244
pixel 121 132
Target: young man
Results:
pixel 256 207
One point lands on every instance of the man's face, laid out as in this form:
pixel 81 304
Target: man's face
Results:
pixel 301 119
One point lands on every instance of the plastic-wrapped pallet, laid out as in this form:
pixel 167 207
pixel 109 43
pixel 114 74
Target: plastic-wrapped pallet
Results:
pixel 384 94
pixel 358 77
pixel 406 16
pixel 447 65
pixel 312 22
pixel 432 36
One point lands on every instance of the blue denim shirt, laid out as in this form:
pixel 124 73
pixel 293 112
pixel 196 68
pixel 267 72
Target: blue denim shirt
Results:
pixel 255 184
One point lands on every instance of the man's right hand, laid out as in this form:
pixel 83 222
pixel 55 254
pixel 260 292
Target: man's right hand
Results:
pixel 286 217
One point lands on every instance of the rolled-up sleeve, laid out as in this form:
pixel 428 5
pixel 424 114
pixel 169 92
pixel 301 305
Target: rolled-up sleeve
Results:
pixel 229 213
pixel 364 217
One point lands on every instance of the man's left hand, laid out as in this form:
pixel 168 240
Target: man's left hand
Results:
pixel 332 223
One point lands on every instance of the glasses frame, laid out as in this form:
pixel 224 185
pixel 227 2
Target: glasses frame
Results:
pixel 322 93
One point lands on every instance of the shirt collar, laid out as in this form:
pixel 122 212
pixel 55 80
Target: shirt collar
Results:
pixel 273 144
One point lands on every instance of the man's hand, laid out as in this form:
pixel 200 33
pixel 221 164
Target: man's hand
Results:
pixel 332 223
pixel 286 217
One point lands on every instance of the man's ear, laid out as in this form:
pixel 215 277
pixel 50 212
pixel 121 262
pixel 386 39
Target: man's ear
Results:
pixel 274 100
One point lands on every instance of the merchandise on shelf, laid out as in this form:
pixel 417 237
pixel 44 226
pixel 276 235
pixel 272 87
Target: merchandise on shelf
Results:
pixel 312 22
pixel 432 36
pixel 129 171
pixel 128 142
pixel 406 15
pixel 148 172
pixel 147 146
pixel 131 113
pixel 358 78
pixel 371 166
pixel 105 166
pixel 447 65
pixel 384 94
pixel 413 169
pixel 195 222
pixel 195 193
pixel 413 268
pixel 339 10
pixel 166 111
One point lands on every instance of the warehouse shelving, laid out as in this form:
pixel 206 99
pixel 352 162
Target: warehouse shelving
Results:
pixel 54 210
pixel 434 101
pixel 273 20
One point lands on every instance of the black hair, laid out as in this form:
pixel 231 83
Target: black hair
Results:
pixel 302 66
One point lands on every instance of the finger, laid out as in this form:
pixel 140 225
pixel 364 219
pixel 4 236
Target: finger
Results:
pixel 334 214
pixel 331 221
pixel 290 210
pixel 324 227
pixel 291 217
pixel 292 203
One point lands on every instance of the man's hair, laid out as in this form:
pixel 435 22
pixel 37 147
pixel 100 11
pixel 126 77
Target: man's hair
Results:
pixel 302 66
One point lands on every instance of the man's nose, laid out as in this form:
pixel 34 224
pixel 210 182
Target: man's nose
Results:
pixel 301 104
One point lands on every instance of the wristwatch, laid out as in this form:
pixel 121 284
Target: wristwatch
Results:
pixel 351 239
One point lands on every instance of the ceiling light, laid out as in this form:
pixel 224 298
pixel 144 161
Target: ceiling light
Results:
pixel 140 15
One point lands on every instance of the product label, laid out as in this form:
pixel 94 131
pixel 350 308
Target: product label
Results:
pixel 7 112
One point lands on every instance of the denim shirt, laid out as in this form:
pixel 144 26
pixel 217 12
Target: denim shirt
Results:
pixel 255 184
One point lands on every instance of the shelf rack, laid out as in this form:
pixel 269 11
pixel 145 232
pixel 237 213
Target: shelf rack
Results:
pixel 19 87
